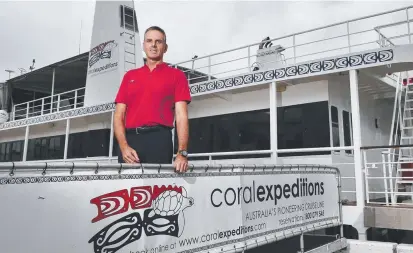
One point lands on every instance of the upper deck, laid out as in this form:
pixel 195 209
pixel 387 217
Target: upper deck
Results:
pixel 378 45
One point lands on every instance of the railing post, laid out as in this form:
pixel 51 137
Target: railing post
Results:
pixel 355 113
pixel 58 103
pixel 348 37
pixel 209 68
pixel 366 175
pixel 27 110
pixel 66 139
pixel 75 103
pixel 41 110
pixel 51 97
pixel 408 25
pixel 386 189
pixel 294 49
pixel 390 168
pixel 249 59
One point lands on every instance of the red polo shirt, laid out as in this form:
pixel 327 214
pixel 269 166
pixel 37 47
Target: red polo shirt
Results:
pixel 150 96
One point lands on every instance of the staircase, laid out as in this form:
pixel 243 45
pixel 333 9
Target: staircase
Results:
pixel 401 159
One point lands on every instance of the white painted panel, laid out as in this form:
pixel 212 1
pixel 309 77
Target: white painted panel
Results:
pixel 404 248
pixel 305 93
pixel 105 74
pixel 230 103
pixel 357 246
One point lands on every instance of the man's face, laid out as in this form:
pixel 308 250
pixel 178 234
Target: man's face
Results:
pixel 154 45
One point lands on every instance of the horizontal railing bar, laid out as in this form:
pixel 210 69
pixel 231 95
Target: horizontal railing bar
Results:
pixel 302 32
pixel 297 150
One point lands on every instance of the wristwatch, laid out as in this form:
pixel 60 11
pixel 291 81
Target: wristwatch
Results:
pixel 183 153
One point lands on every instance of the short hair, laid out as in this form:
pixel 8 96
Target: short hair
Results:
pixel 156 28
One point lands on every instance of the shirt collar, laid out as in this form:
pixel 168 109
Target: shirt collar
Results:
pixel 159 66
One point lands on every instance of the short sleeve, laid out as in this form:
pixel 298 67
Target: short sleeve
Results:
pixel 122 95
pixel 182 92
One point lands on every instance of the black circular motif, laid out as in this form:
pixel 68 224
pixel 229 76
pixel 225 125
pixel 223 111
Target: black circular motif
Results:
pixel 370 58
pixel 12 181
pixel 355 60
pixel 194 89
pixel 269 75
pixel 211 86
pixel 342 62
pixel 220 84
pixel 3 181
pixel 303 69
pixel 328 65
pixel 229 82
pixel 279 73
pixel 238 81
pixel 291 71
pixel 202 87
pixel 258 77
pixel 386 55
pixel 248 79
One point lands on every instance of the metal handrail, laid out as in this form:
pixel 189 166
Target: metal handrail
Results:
pixel 302 32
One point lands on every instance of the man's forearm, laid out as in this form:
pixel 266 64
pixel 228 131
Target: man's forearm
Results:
pixel 119 129
pixel 182 129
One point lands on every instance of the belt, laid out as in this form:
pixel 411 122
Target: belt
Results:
pixel 147 129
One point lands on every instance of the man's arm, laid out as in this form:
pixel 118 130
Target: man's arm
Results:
pixel 129 154
pixel 119 125
pixel 182 125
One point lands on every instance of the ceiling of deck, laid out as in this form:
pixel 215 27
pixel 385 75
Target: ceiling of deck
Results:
pixel 70 74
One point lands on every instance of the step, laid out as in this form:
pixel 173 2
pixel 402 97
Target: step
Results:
pixel 134 63
pixel 408 128
pixel 132 53
pixel 127 42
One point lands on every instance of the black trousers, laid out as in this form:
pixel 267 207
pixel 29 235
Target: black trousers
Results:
pixel 152 145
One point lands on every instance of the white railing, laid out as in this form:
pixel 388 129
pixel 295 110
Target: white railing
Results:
pixel 383 179
pixel 365 33
pixel 58 102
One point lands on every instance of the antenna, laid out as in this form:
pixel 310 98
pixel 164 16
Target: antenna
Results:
pixel 9 71
pixel 80 33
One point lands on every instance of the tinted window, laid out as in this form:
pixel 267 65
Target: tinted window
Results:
pixel 303 126
pixel 346 128
pixel 335 127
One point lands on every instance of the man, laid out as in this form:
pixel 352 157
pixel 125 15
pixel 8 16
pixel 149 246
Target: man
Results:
pixel 146 102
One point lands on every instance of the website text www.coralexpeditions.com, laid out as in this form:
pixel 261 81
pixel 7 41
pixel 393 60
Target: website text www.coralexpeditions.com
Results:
pixel 226 234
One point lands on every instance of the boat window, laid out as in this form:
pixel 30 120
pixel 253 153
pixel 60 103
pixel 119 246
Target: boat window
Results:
pixel 128 18
pixel 244 131
pixel 3 152
pixel 347 130
pixel 335 127
pixel 303 126
pixel 17 151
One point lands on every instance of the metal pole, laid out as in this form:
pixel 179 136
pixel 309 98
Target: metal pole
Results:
pixel 51 98
pixel 66 139
pixel 111 136
pixel 408 25
pixel 273 121
pixel 302 243
pixel 358 168
pixel 26 141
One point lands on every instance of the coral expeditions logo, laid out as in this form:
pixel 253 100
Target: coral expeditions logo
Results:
pixel 102 51
pixel 163 215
